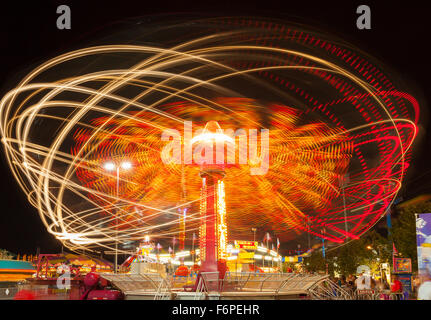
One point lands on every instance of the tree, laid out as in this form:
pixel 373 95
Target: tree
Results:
pixel 315 262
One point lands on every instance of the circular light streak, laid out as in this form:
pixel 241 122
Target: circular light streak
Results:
pixel 340 134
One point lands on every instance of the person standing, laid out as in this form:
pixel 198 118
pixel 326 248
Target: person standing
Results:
pixel 424 290
pixel 360 282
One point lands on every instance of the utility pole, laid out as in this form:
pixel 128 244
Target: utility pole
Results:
pixel 110 166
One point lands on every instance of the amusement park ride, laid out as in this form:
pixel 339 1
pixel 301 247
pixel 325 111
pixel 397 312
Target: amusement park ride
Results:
pixel 213 230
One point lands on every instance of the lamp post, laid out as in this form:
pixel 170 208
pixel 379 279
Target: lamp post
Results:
pixel 110 166
pixel 193 249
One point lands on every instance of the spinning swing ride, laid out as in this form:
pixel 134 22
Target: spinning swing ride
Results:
pixel 326 128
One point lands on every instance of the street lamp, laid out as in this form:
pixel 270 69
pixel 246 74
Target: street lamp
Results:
pixel 374 251
pixel 111 166
pixel 126 165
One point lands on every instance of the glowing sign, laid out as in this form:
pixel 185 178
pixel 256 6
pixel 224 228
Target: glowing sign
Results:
pixel 221 221
pixel 246 257
pixel 247 245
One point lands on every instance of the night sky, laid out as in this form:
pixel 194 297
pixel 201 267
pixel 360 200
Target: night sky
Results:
pixel 399 37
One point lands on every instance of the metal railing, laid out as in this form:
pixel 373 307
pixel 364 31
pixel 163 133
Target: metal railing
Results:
pixel 137 283
pixel 8 293
pixel 260 283
pixel 207 282
pixel 318 287
pixel 378 295
pixel 280 283
pixel 163 291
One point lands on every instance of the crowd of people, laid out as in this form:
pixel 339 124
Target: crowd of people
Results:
pixel 364 284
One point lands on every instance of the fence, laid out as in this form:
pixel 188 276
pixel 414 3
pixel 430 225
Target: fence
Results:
pixel 379 295
pixel 260 284
pixel 141 284
pixel 325 289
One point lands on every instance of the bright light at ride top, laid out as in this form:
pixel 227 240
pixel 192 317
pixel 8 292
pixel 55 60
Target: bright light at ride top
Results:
pixel 209 137
pixel 126 165
pixel 212 136
pixel 212 133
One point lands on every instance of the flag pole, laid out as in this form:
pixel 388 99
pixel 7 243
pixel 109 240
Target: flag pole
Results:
pixel 267 245
pixel 278 244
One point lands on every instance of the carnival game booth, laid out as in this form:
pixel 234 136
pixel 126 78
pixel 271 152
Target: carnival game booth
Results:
pixel 248 256
pixel 47 283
